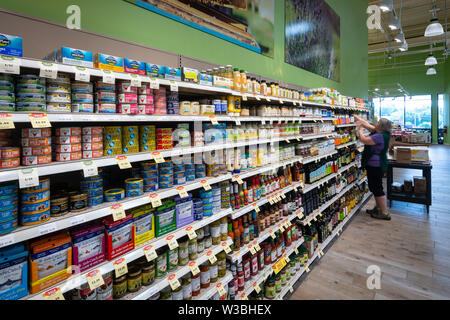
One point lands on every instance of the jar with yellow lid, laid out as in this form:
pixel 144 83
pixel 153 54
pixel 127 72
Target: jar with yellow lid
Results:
pixel 236 79
pixel 119 287
pixel 244 82
pixel 134 278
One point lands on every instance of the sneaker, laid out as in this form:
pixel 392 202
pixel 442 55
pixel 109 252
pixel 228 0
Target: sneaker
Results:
pixel 370 211
pixel 379 215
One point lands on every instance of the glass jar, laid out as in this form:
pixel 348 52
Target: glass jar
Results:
pixel 224 229
pixel 183 252
pixel 283 277
pixel 172 262
pixel 187 287
pixel 134 279
pixel 207 242
pixel 213 272
pixel 161 264
pixel 204 276
pixel 148 274
pixel 278 284
pixel 270 290
pixel 215 232
pixel 192 249
pixel 119 287
pixel 195 284
pixel 222 264
pixel 177 294
pixel 166 294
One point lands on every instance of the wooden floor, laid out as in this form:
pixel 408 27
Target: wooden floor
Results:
pixel 412 250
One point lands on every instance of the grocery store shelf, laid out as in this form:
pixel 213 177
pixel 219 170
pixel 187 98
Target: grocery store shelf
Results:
pixel 317 158
pixel 361 181
pixel 345 125
pixel 317 136
pixel 343 169
pixel 268 270
pixel 309 187
pixel 321 246
pixel 206 294
pixel 346 145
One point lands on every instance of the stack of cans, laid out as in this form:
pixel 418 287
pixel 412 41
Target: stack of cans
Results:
pixel 130 139
pixel 30 93
pixel 58 93
pixel 190 171
pixel 82 97
pixel 127 98
pixel 112 141
pixel 164 139
pixel 207 198
pixel 134 187
pixel 92 142
pixel 9 209
pixel 198 209
pixel 7 97
pixel 165 175
pixel 67 144
pixel 36 146
pixel 200 171
pixel 35 203
pixel 160 101
pixel 105 97
pixel 217 199
pixel 149 173
pixel 93 187
pixel 225 188
pixel 173 103
pixel 147 138
pixel 179 173
pixel 9 156
pixel 145 100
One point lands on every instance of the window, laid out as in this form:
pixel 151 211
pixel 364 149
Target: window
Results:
pixel 418 112
pixel 393 109
pixel 376 109
pixel 441 113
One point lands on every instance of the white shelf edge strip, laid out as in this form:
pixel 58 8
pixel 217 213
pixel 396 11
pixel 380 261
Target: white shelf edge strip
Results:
pixel 346 145
pixel 209 292
pixel 345 125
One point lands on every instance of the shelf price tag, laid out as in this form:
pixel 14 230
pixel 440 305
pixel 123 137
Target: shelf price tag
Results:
pixel 172 242
pixel 280 227
pixel 282 195
pixel 120 267
pixel 213 120
pixel 53 294
pixel 194 268
pixel 286 258
pixel 154 83
pixel 118 212
pixel 314 218
pixel 220 289
pixel 28 178
pixel 281 100
pixel 89 168
pixel 256 287
pixel 155 200
pixel 279 265
pixel 238 122
pixel 95 279
pixel 6 121
pixel 244 296
pixel 135 80
pixel 173 281
pixel 263 121
pixel 150 253
pixel 244 97
pixel 272 234
pixel 191 232
pixel 157 156
pixel 291 289
pixel 268 99
pixel 298 139
pixel 307 269
pixel 270 200
pixel 211 256
pixel 48 70
pixel 82 74
pixel 182 192
pixel 255 206
pixel 302 184
pixel 108 77
pixel 47 228
pixel 252 249
pixel 205 185
pixel 320 252
pixel 257 247
pixel 173 86
pixel 287 140
pixel 295 188
pixel 226 247
pixel 257 98
pixel 39 120
pixel 238 179
pixel 296 250
pixel 299 215
pixel 9 64
pixel 123 162
pixel 6 240
pixel 308 223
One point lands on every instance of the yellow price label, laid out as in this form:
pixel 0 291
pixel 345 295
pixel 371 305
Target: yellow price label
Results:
pixel 299 215
pixel 205 185
pixel 270 200
pixel 279 265
pixel 39 120
pixel 191 232
pixel 320 252
pixel 120 267
pixel 281 228
pixel 95 279
pixel 213 120
pixel 220 289
pixel 252 249
pixel 238 179
pixel 283 196
pixel 307 269
pixel 53 294
pixel 257 247
pixel 157 156
pixel 295 188
pixel 291 289
pixel 123 162
pixel 172 242
pixel 286 258
pixel 226 247
pixel 182 192
pixel 118 212
pixel 244 97
pixel 308 223
pixel 173 281
pixel 194 268
pixel 155 200
pixel 150 253
pixel 6 121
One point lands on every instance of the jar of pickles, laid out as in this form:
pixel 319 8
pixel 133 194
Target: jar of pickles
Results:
pixel 214 272
pixel 222 264
pixel 192 249
pixel 186 283
pixel 183 252
pixel 119 287
pixel 269 287
pixel 148 273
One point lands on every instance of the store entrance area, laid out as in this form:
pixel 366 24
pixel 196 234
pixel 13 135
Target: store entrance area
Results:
pixel 411 250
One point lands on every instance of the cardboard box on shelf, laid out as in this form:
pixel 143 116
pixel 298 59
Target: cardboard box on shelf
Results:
pixel 420 185
pixel 406 154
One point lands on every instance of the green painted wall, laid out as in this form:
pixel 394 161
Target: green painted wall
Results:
pixel 413 79
pixel 123 20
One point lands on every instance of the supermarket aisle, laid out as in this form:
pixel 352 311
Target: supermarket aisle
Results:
pixel 411 250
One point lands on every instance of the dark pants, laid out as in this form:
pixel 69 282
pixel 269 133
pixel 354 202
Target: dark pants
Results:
pixel 375 179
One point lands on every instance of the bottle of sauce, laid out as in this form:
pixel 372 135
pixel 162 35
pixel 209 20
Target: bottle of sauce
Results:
pixel 237 80
pixel 237 235
pixel 244 84
pixel 241 277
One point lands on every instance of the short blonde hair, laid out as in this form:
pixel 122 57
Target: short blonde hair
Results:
pixel 385 125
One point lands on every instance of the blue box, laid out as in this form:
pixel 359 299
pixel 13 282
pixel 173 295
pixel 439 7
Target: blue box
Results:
pixel 9 257
pixel 172 73
pixel 154 70
pixel 205 79
pixel 134 66
pixel 10 45
pixel 74 57
pixel 108 62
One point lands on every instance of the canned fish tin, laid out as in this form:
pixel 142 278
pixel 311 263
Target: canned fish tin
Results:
pixel 30 88
pixel 7 106
pixel 7 96
pixel 144 99
pixel 77 201
pixel 112 152
pixel 91 193
pixel 58 98
pixel 165 171
pixel 151 188
pixel 67 132
pixel 60 78
pixel 125 87
pixel 9 189
pixel 10 201
pixel 8 226
pixel 165 185
pixel 149 166
pixel 9 152
pixel 58 88
pixel 82 87
pixel 58 107
pixel 44 184
pixel 150 181
pixel 92 154
pixel 28 198
pixel 128 98
pixel 36 133
pixel 67 140
pixel 36 142
pixel 36 160
pixel 7 214
pixel 127 109
pixel 9 163
pixel 64 148
pixel 95 201
pixel 34 218
pixel 6 86
pixel 103 86
pixel 105 97
pixel 88 185
pixel 146 109
pixel 135 192
pixel 59 205
pixel 113 144
pixel 31 106
pixel 92 146
pixel 82 98
pixel 105 108
pixel 134 183
pixel 127 150
pixel 92 130
pixel 145 89
pixel 83 107
pixel 35 207
pixel 89 138
pixel 67 156
pixel 30 97
pixel 31 79
pixel 112 195
pixel 149 174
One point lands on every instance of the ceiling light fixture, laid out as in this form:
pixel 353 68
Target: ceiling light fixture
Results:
pixel 431 71
pixel 394 24
pixel 431 60
pixel 400 37
pixel 376 89
pixel 434 28
pixel 387 5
